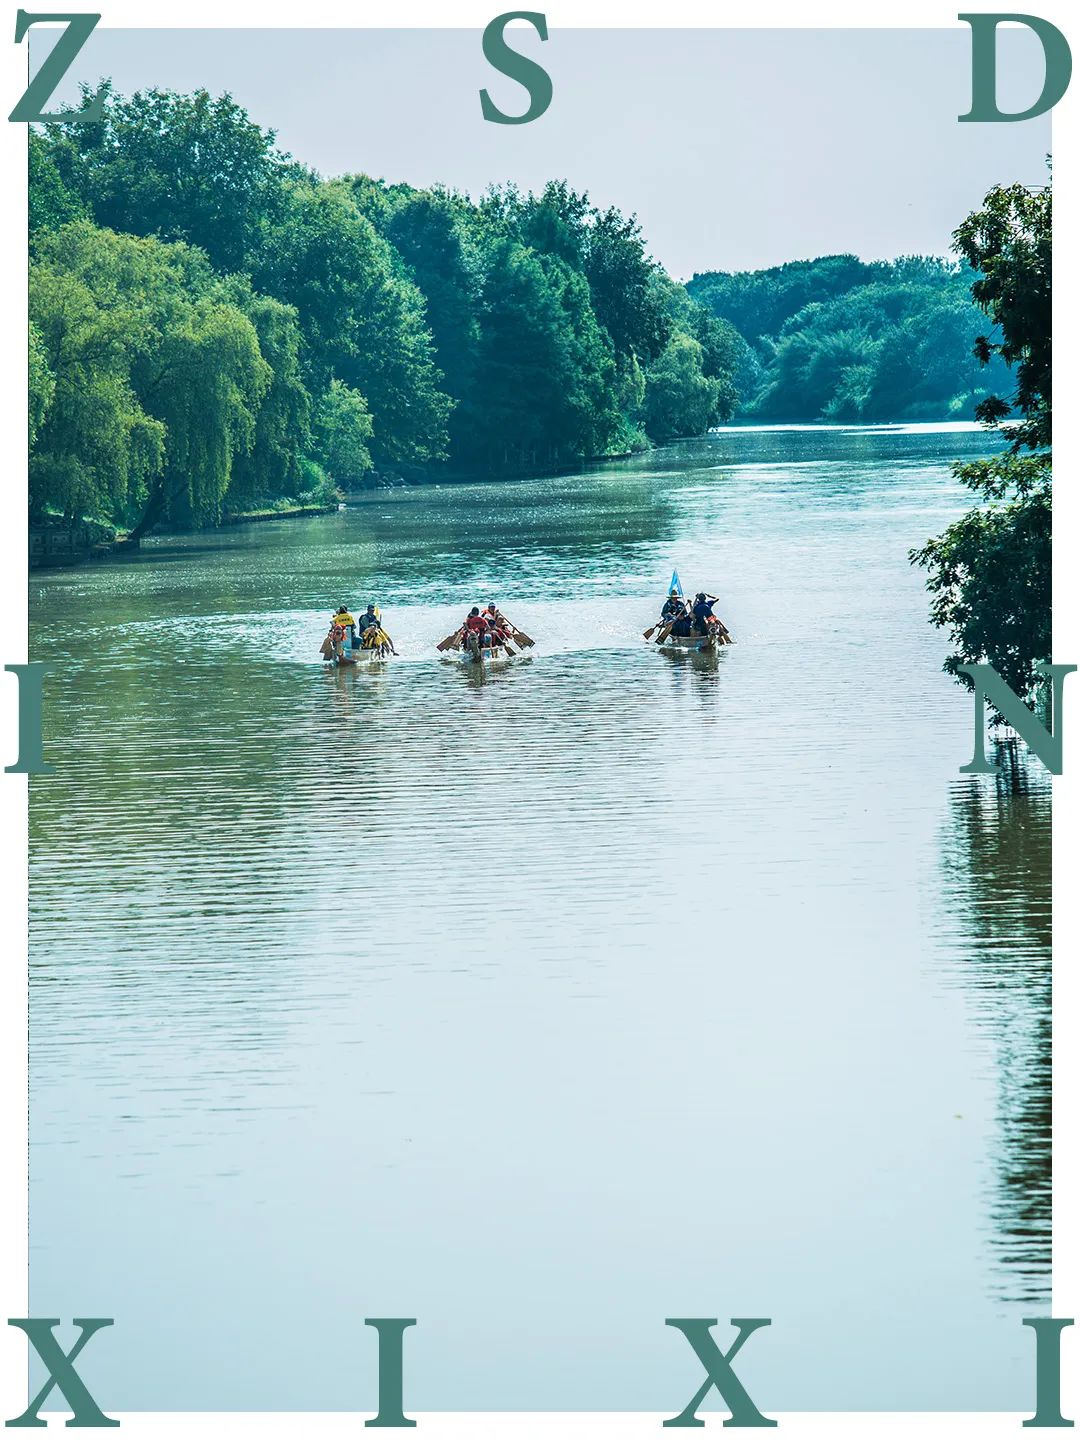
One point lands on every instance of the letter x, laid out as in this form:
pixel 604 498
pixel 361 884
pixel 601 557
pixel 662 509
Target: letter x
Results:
pixel 61 1368
pixel 718 1368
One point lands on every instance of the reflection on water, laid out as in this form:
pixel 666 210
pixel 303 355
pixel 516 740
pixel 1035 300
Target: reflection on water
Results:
pixel 606 984
pixel 996 858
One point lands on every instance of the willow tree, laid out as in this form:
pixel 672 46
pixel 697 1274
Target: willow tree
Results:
pixel 273 466
pixel 159 378
pixel 205 380
pixel 41 383
pixel 95 448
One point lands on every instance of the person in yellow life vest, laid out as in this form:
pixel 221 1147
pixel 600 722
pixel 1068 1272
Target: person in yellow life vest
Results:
pixel 347 625
pixel 371 632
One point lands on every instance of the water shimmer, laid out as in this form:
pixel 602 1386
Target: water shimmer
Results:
pixel 543 1006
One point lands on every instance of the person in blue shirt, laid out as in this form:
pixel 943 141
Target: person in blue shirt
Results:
pixel 368 619
pixel 705 622
pixel 674 608
pixel 703 611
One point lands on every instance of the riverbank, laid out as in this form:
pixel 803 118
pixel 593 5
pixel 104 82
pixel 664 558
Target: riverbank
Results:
pixel 291 512
pixel 56 546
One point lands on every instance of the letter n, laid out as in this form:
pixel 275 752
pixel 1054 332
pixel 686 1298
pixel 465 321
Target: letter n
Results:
pixel 1047 744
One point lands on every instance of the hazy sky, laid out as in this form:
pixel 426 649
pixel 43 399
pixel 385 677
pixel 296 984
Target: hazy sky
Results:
pixel 736 149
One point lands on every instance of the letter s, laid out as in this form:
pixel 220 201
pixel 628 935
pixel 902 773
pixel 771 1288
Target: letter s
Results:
pixel 526 72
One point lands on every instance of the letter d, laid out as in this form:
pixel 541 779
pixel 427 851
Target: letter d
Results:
pixel 1057 59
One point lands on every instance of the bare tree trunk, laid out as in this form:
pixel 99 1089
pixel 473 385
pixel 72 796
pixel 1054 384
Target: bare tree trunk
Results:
pixel 151 514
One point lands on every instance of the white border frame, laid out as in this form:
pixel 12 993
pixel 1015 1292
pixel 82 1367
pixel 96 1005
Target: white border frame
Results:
pixel 475 14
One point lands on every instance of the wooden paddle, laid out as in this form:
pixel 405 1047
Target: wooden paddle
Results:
pixel 649 631
pixel 665 632
pixel 522 639
pixel 451 640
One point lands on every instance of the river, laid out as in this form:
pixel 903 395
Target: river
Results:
pixel 544 1005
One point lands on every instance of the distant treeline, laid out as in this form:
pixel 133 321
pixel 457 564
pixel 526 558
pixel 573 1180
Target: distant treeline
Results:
pixel 840 338
pixel 215 327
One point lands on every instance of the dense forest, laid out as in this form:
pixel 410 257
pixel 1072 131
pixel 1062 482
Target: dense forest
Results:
pixel 215 327
pixel 840 338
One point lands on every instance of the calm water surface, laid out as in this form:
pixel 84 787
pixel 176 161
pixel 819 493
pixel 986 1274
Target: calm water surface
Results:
pixel 543 1006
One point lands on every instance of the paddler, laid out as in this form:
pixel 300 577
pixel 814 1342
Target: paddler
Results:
pixel 500 627
pixel 475 624
pixel 343 628
pixel 345 622
pixel 373 636
pixel 674 617
pixel 674 608
pixel 704 616
pixel 683 624
pixel 703 611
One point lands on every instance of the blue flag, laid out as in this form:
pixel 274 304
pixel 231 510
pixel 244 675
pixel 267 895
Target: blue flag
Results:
pixel 676 583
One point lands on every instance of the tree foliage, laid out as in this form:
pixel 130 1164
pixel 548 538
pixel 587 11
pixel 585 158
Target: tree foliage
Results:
pixel 1009 242
pixel 182 167
pixel 341 433
pixel 218 328
pixel 839 338
pixel 158 378
pixel 41 386
pixel 989 573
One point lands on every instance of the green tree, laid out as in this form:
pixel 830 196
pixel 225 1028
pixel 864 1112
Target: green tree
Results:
pixel 546 385
pixel 758 303
pixel 362 319
pixel 989 573
pixel 273 466
pixel 621 277
pixel 1009 242
pixel 51 202
pixel 839 339
pixel 183 167
pixel 159 379
pixel 42 383
pixel 606 247
pixel 721 345
pixel 680 399
pixel 428 229
pixel 340 434
pixel 96 448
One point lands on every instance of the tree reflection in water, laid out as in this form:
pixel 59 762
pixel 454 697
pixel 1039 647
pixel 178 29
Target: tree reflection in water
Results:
pixel 997 862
